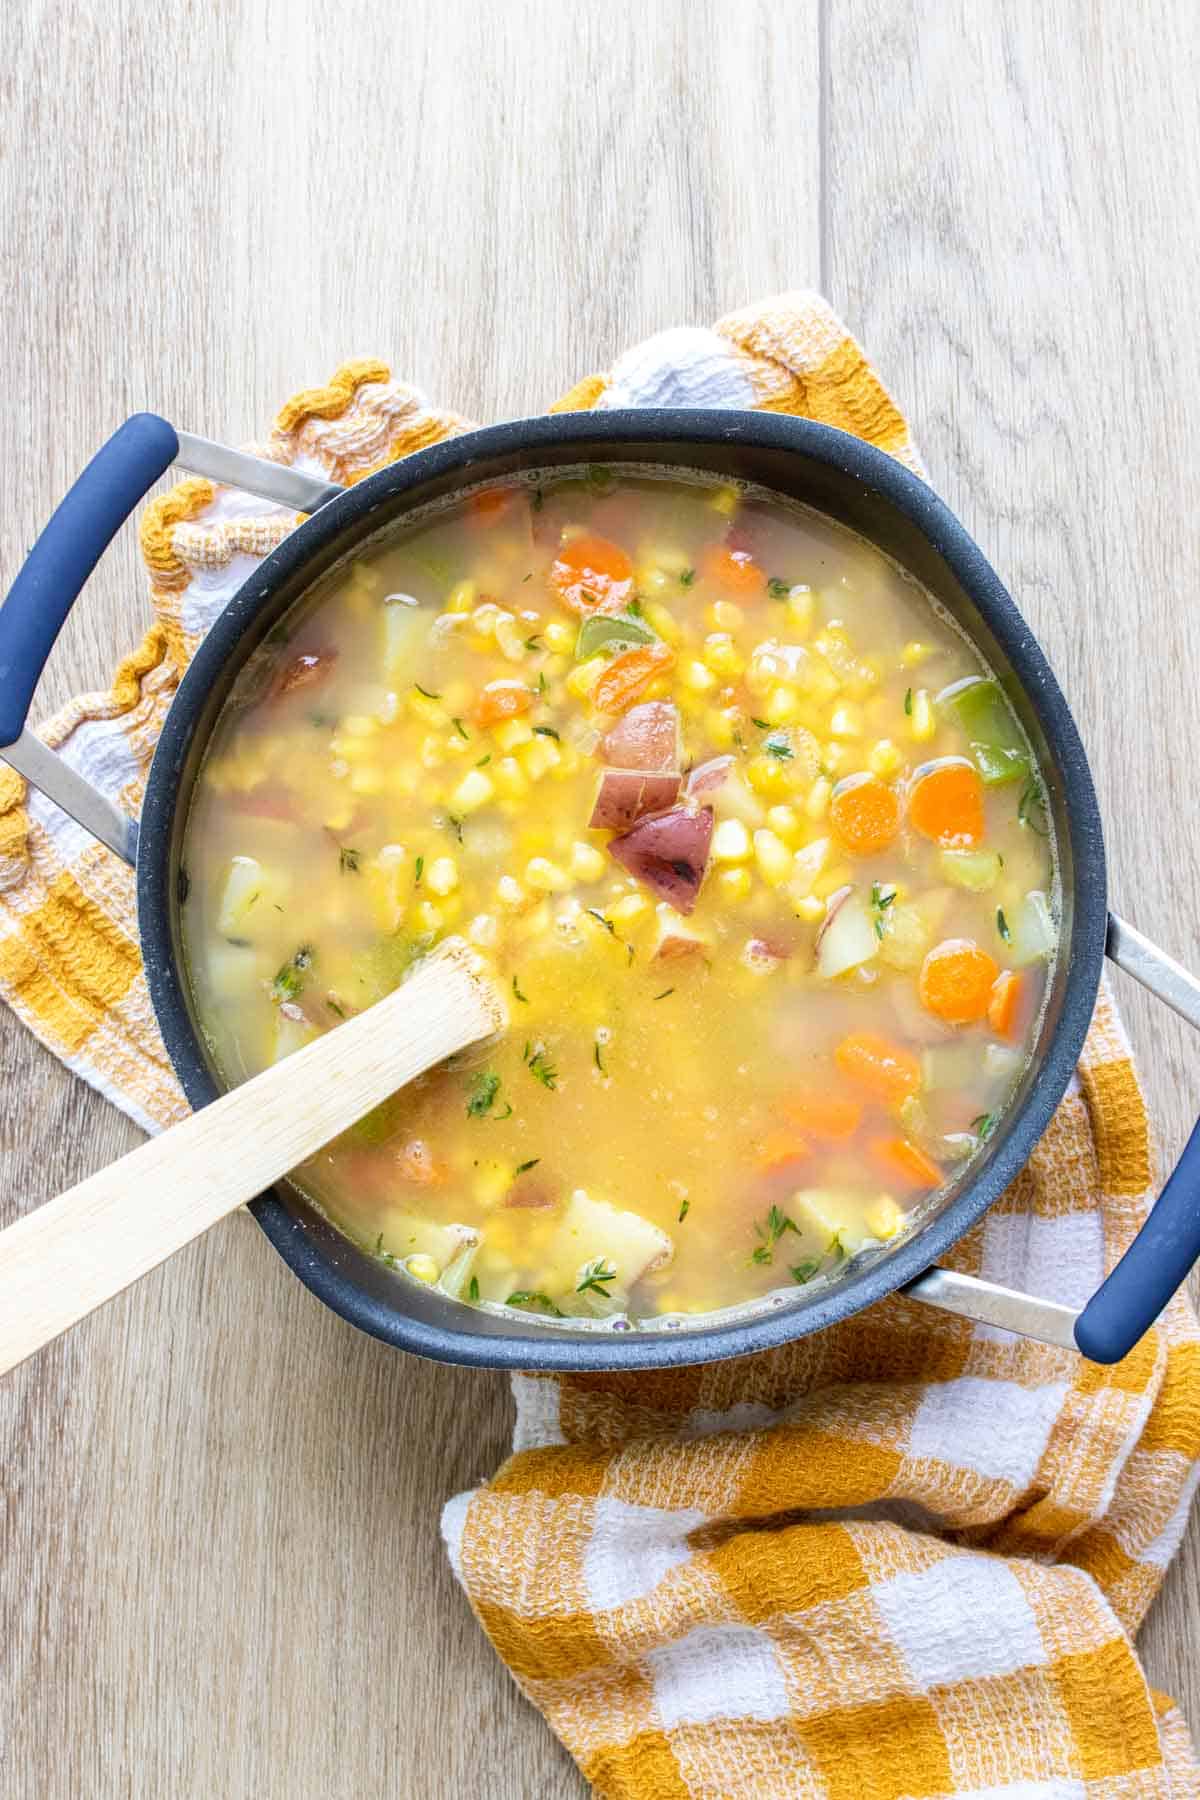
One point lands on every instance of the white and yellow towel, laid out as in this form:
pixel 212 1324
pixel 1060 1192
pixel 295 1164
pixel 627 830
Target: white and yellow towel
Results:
pixel 903 1558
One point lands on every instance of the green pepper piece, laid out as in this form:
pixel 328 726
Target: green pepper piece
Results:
pixel 601 633
pixel 1001 753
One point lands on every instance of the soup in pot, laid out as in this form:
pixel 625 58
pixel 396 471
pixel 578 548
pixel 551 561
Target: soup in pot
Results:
pixel 747 831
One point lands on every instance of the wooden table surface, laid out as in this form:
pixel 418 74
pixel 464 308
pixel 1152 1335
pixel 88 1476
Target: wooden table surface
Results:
pixel 220 1572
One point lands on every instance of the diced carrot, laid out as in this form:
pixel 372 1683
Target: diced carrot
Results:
pixel 627 675
pixel 865 814
pixel 902 1161
pixel 733 569
pixel 489 506
pixel 779 1150
pixel 946 805
pixel 830 1117
pixel 1003 1002
pixel 956 981
pixel 592 575
pixel 886 1070
pixel 502 700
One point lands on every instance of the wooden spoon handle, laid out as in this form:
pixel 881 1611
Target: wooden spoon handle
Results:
pixel 65 1258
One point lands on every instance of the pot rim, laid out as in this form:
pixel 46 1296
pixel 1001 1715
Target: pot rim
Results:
pixel 675 429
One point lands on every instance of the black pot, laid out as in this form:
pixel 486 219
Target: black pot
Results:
pixel 840 476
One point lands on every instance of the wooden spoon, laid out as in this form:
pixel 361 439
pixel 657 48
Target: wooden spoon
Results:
pixel 61 1261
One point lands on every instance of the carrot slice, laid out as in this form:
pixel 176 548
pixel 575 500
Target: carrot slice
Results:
pixel 733 569
pixel 779 1150
pixel 902 1161
pixel 627 675
pixel 946 805
pixel 489 506
pixel 830 1117
pixel 1003 1002
pixel 502 700
pixel 956 981
pixel 886 1070
pixel 865 814
pixel 592 575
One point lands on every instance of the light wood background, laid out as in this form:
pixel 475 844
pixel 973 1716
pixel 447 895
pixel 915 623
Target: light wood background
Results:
pixel 220 1573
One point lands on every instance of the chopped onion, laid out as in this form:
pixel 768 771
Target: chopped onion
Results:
pixel 1034 933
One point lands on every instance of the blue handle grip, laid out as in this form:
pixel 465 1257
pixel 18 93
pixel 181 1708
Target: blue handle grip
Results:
pixel 78 534
pixel 1157 1262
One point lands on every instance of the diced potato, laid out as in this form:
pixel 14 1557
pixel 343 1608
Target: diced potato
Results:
pixel 539 756
pixel 407 1235
pixel 584 676
pixel 246 886
pixel 735 884
pixel 906 937
pixel 848 939
pixel 1034 934
pixel 593 1231
pixel 884 1217
pixel 511 733
pixel 587 862
pixel 832 1215
pixel 807 865
pixel 404 632
pixel 731 842
pixel 290 1034
pixel 677 937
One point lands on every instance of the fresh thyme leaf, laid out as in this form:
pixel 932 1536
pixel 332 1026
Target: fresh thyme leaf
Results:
pixel 481 1096
pixel 595 1277
pixel 523 998
pixel 426 691
pixel 1031 808
pixel 836 1248
pixel 778 590
pixel 598 1056
pixel 635 610
pixel 531 1297
pixel 418 871
pixel 349 860
pixel 594 913
pixel 333 1006
pixel 523 1168
pixel 289 982
pixel 543 684
pixel 460 728
pixel 763 724
pixel 664 993
pixel 384 1256
pixel 778 747
pixel 1002 925
pixel 532 643
pixel 908 703
pixel 687 577
pixel 542 1069
pixel 484 761
pixel 545 731
pixel 473 1288
pixel 506 1114
pixel 984 1125
pixel 776 1223
pixel 805 1271
pixel 684 1209
pixel 456 825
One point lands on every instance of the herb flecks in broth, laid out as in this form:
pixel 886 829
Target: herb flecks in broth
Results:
pixel 751 835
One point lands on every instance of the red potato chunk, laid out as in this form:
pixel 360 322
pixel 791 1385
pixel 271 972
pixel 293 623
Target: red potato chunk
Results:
pixel 626 795
pixel 708 776
pixel 647 738
pixel 303 671
pixel 668 853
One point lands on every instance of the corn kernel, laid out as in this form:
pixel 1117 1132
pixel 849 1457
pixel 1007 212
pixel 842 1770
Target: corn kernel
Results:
pixel 817 803
pixel 473 791
pixel 885 759
pixel 628 908
pixel 559 636
pixel 511 732
pixel 924 723
pixel 484 930
pixel 800 608
pixel 367 780
pixel 731 842
pixel 350 749
pixel 734 884
pixel 784 821
pixel 721 655
pixel 546 877
pixel 720 726
pixel 651 580
pixel 767 775
pixel 724 500
pixel 846 721
pixel 510 778
pixel 782 705
pixel 358 725
pixel 807 865
pixel 427 917
pixel 423 1268
pixel 698 678
pixel 773 857
pixel 539 756
pixel 587 863
pixel 810 909
pixel 884 1218
pixel 663 621
pixel 584 677
pixel 510 893
pixel 441 877
pixel 461 597
pixel 913 653
pixel 511 638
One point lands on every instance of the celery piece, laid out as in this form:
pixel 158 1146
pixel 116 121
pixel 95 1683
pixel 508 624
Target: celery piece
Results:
pixel 605 633
pixel 1000 752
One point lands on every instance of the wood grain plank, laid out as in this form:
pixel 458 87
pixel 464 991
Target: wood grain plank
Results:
pixel 220 1570
pixel 1011 230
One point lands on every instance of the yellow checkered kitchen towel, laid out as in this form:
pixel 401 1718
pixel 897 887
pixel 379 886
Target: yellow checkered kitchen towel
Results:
pixel 903 1558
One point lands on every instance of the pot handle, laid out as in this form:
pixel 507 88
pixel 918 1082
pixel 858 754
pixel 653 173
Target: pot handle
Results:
pixel 53 575
pixel 80 530
pixel 1161 1256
